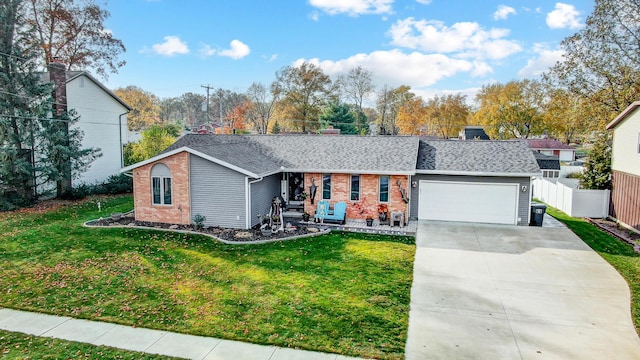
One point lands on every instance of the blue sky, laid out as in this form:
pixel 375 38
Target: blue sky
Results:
pixel 434 46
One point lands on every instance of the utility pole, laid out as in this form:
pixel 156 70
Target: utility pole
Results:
pixel 208 87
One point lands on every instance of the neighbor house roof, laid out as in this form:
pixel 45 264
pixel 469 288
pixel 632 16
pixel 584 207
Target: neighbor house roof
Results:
pixel 491 157
pixel 72 75
pixel 548 144
pixel 547 162
pixel 475 133
pixel 261 155
pixel 623 115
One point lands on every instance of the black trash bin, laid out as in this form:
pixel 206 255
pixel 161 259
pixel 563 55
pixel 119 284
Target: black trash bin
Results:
pixel 537 214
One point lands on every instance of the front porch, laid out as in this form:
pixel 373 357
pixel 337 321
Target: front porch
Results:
pixel 354 225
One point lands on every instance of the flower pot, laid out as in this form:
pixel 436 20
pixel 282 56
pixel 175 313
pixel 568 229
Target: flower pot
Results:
pixel 265 230
pixel 305 217
pixel 116 216
pixel 369 222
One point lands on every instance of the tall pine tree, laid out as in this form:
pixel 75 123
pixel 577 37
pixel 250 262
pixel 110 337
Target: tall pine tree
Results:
pixel 37 144
pixel 22 102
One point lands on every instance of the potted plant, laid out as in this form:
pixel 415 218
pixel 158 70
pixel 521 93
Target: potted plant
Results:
pixel 305 216
pixel 369 220
pixel 265 230
pixel 383 211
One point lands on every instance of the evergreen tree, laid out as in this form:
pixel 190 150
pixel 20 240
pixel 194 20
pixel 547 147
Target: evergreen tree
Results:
pixel 597 169
pixel 59 153
pixel 36 145
pixel 276 128
pixel 340 116
pixel 22 102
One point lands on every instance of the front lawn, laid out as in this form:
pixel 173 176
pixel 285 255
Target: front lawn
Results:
pixel 21 346
pixel 343 292
pixel 620 255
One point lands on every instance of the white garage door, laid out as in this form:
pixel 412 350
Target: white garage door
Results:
pixel 471 202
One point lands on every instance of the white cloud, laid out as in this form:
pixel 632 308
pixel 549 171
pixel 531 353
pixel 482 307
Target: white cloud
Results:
pixel 503 12
pixel 396 68
pixel 206 51
pixel 463 39
pixel 545 59
pixel 237 51
pixel 315 16
pixel 270 58
pixel 353 7
pixel 172 45
pixel 424 2
pixel 564 16
pixel 427 94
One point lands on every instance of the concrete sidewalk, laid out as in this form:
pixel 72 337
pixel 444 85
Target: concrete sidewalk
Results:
pixel 147 340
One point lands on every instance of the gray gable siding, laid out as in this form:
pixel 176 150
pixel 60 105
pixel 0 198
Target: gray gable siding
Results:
pixel 262 192
pixel 524 197
pixel 218 193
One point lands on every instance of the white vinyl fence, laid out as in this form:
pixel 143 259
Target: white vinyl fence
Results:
pixel 564 195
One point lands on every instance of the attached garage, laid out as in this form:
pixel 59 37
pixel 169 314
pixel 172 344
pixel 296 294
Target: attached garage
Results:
pixel 494 203
pixel 480 181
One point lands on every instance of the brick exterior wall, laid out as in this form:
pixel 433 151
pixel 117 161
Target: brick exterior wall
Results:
pixel 368 204
pixel 179 211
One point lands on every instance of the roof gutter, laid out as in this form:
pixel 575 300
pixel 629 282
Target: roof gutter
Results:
pixel 120 131
pixel 476 173
pixel 248 200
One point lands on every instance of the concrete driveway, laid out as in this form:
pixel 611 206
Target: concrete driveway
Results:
pixel 506 292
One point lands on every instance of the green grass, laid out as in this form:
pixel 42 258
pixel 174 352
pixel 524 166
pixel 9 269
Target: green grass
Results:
pixel 342 292
pixel 21 346
pixel 619 254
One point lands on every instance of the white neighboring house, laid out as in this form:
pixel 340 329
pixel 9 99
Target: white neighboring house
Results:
pixel 103 121
pixel 553 147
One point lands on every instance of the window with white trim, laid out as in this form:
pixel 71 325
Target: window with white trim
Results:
pixel 161 185
pixel 383 189
pixel 355 188
pixel 326 187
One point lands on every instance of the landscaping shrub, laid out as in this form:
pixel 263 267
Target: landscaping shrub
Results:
pixel 115 184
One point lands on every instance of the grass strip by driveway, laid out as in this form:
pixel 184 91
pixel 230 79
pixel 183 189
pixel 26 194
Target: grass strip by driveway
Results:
pixel 344 293
pixel 21 346
pixel 619 254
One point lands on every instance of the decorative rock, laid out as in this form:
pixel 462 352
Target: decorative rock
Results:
pixel 312 230
pixel 131 224
pixel 173 227
pixel 243 235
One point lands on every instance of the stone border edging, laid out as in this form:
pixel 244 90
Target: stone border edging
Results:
pixel 253 242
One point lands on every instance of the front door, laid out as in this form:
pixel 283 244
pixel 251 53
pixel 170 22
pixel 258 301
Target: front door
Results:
pixel 295 188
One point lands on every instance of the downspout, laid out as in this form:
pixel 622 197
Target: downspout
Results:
pixel 120 133
pixel 248 204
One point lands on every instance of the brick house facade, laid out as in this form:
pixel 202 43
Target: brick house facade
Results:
pixel 179 210
pixel 369 194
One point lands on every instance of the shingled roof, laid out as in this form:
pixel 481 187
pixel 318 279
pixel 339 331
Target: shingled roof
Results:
pixel 547 162
pixel 548 144
pixel 490 157
pixel 266 154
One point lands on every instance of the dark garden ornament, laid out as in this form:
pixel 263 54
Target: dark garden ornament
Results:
pixel 312 189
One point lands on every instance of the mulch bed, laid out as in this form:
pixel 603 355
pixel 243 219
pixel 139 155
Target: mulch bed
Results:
pixel 237 235
pixel 624 234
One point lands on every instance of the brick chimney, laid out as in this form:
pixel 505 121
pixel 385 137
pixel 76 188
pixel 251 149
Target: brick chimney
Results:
pixel 58 75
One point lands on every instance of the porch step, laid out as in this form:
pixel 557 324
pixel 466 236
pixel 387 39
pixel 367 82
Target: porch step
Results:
pixel 295 207
pixel 292 214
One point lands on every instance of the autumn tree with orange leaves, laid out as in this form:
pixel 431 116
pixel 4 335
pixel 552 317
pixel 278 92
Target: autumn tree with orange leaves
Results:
pixel 73 32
